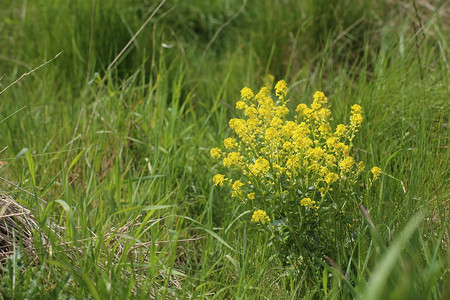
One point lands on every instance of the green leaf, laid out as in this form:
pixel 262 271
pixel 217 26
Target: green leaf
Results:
pixel 70 219
pixel 31 167
pixel 75 160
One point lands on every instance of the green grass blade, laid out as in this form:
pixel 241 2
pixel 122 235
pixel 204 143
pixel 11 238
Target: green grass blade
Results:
pixel 383 270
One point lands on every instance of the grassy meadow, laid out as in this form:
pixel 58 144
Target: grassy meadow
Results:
pixel 111 139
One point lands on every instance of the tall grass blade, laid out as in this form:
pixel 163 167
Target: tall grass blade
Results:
pixel 382 272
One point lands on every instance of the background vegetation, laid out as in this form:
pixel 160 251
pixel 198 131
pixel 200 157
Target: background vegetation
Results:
pixel 119 152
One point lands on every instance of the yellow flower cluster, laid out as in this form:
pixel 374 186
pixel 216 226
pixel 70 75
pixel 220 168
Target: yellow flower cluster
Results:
pixel 281 89
pixel 307 202
pixel 236 188
pixel 260 216
pixel 229 143
pixel 269 148
pixel 215 152
pixel 376 171
pixel 219 179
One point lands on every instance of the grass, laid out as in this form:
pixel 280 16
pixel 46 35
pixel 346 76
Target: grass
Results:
pixel 121 157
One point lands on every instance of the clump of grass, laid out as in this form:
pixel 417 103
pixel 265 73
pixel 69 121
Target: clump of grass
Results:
pixel 18 228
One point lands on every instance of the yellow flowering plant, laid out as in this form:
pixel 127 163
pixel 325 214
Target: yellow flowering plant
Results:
pixel 296 173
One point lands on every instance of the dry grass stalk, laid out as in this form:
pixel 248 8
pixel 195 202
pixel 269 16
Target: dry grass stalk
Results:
pixel 17 225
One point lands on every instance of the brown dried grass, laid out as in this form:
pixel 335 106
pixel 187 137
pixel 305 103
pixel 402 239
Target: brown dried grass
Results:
pixel 17 225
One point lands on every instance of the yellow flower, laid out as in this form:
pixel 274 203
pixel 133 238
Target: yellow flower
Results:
pixel 279 169
pixel 332 142
pixel 323 114
pixel 316 106
pixel 356 109
pixel 301 108
pixel 281 89
pixel 292 163
pixel 264 112
pixel 229 143
pixel 341 130
pixel 260 216
pixel 343 148
pixel 219 179
pixel 262 94
pixel 301 130
pixel 215 152
pixel 239 126
pixel 271 134
pixel 331 177
pixel 319 97
pixel 240 105
pixel 251 112
pixel 237 185
pixel 251 196
pixel 288 128
pixel 308 113
pixel 325 128
pixel 330 159
pixel 281 111
pixel 246 93
pixel 261 165
pixel 314 167
pixel 307 202
pixel 236 188
pixel 233 158
pixel 376 171
pixel 324 171
pixel 287 146
pixel 276 122
pixel 346 164
pixel 315 153
pixel 302 142
pixel 356 120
